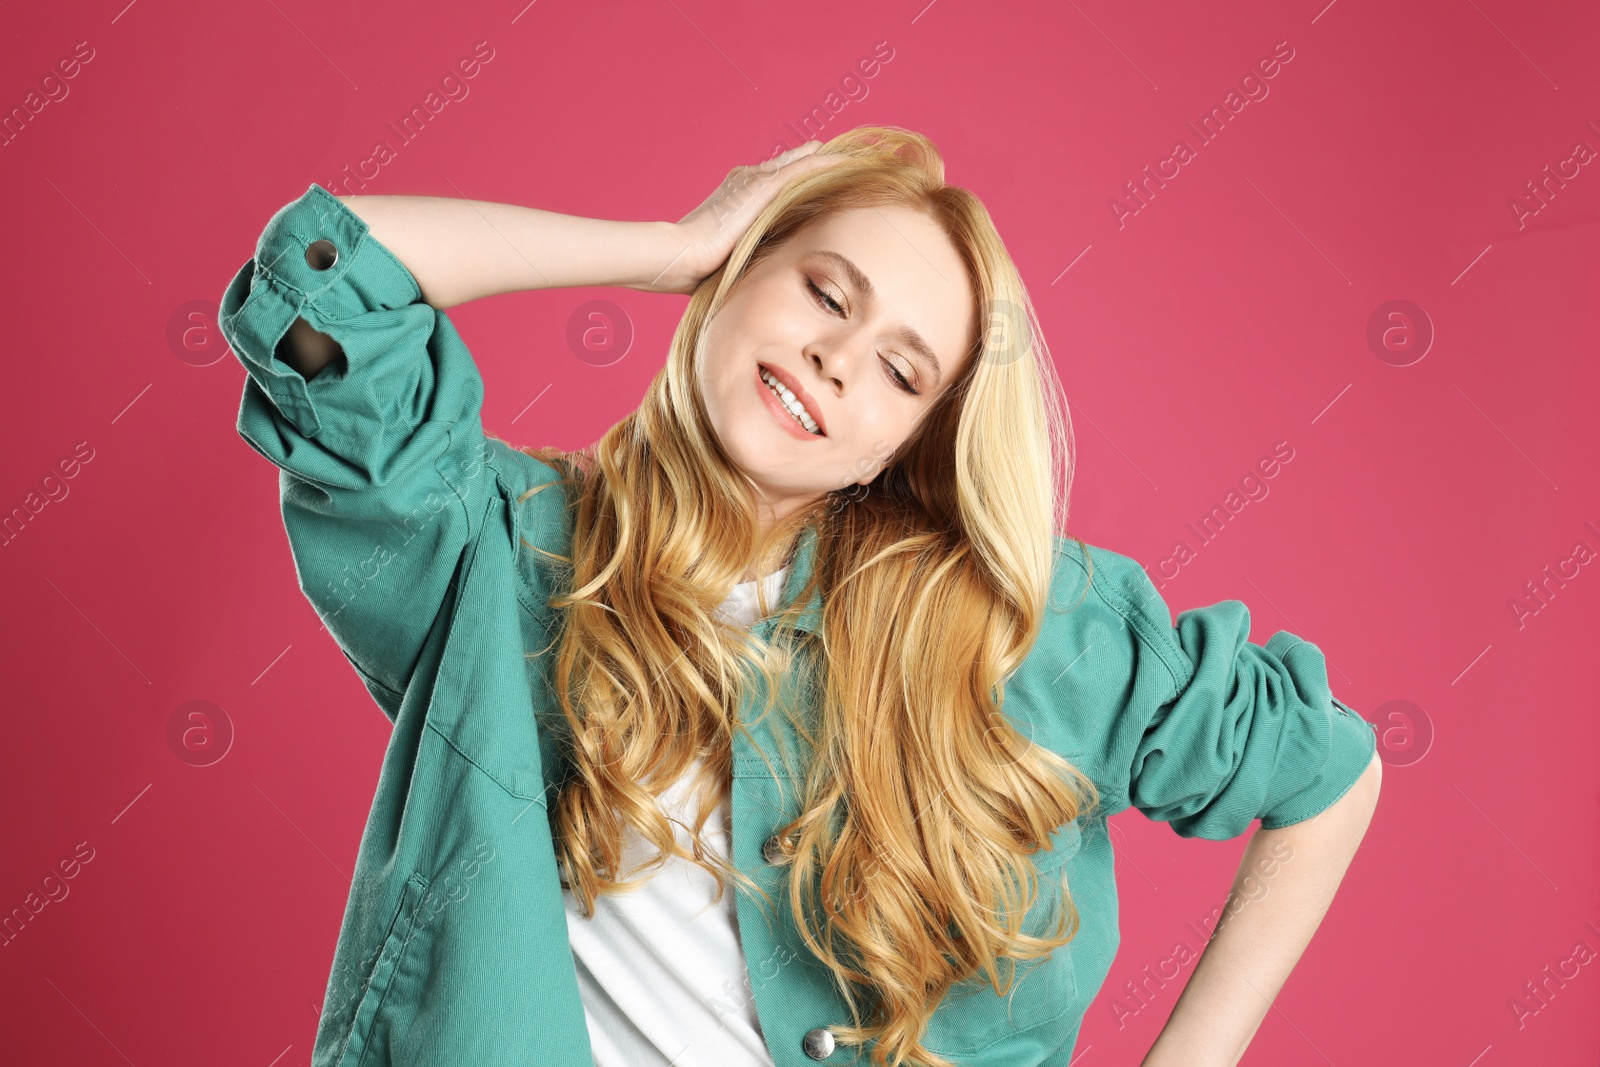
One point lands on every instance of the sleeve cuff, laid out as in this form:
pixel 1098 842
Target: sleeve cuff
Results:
pixel 280 284
pixel 1335 739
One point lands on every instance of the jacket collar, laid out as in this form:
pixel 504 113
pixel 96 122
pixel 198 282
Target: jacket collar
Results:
pixel 804 559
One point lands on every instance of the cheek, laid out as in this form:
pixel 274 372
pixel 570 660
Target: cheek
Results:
pixel 718 362
pixel 874 434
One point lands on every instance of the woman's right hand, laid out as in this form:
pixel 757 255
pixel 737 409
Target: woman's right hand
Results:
pixel 705 236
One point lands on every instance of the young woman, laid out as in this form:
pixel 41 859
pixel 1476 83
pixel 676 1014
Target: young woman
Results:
pixel 780 726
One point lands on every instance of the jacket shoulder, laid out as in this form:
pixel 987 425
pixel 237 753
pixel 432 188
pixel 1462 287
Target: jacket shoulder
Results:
pixel 1097 581
pixel 1101 657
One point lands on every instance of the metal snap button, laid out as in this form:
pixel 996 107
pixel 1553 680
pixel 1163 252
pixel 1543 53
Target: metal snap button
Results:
pixel 321 254
pixel 819 1043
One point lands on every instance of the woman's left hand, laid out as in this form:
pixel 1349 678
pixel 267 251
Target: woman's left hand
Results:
pixel 705 236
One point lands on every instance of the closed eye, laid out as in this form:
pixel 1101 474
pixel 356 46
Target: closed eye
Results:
pixel 831 303
pixel 834 307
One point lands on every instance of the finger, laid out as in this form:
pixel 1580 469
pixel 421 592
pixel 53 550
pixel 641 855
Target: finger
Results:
pixel 803 150
pixel 823 159
pixel 815 159
pixel 783 159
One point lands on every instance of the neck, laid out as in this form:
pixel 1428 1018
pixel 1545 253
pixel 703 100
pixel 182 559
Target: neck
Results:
pixel 770 513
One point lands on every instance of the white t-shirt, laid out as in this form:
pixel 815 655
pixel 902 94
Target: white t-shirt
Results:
pixel 660 969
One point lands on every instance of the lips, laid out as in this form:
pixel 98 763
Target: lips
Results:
pixel 793 385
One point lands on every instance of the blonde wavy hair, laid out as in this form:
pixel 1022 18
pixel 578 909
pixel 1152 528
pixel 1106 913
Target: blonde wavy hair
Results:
pixel 922 807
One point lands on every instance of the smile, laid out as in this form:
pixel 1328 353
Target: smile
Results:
pixel 786 406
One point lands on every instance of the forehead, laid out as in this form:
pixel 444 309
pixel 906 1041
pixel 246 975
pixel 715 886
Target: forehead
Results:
pixel 918 278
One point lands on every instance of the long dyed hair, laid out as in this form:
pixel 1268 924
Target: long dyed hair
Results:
pixel 911 863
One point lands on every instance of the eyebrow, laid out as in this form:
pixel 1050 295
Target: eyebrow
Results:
pixel 861 283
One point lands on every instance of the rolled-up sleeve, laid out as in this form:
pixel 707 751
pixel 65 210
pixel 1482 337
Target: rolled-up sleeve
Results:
pixel 1250 731
pixel 382 453
pixel 1187 719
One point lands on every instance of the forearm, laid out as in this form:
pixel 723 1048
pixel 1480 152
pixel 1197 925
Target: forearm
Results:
pixel 460 250
pixel 1286 881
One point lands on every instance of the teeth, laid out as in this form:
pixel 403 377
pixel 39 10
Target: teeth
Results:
pixel 793 405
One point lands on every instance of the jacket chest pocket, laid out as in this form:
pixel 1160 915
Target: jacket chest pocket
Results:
pixel 972 1016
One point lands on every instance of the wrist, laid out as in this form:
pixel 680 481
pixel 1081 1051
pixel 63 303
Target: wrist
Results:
pixel 668 263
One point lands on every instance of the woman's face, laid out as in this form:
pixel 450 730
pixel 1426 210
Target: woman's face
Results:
pixel 866 317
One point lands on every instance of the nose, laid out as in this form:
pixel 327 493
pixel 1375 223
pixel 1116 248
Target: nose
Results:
pixel 833 363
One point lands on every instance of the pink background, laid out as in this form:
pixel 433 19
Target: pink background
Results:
pixel 1228 314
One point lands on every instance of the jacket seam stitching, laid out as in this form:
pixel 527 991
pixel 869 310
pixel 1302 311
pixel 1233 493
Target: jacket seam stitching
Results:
pixel 410 917
pixel 344 1046
pixel 1013 1035
pixel 526 593
pixel 539 800
pixel 1275 824
pixel 364 238
pixel 460 498
pixel 473 541
pixel 1137 623
pixel 368 676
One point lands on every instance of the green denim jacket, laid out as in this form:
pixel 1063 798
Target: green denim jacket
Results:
pixel 407 536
